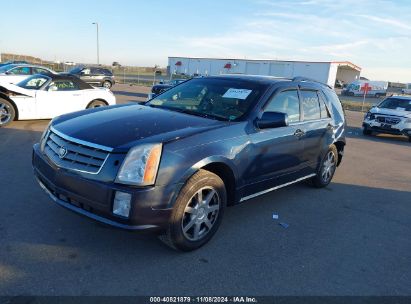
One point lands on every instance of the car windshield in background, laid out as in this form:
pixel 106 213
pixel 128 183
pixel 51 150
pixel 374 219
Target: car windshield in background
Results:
pixel 75 70
pixel 34 82
pixel 396 104
pixel 5 68
pixel 223 99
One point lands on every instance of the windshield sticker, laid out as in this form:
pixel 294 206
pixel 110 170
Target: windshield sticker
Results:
pixel 400 109
pixel 237 93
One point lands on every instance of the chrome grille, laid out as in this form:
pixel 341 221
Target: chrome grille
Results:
pixel 388 120
pixel 71 155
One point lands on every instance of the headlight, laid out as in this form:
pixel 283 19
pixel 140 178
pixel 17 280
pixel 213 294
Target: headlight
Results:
pixel 140 165
pixel 43 139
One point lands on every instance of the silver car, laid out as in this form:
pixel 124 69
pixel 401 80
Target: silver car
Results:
pixel 391 116
pixel 15 73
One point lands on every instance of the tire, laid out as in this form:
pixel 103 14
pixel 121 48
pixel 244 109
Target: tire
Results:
pixel 409 138
pixel 97 104
pixel 377 95
pixel 327 168
pixel 107 84
pixel 7 113
pixel 192 224
pixel 366 131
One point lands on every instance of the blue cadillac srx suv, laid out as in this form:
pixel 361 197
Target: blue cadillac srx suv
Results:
pixel 173 164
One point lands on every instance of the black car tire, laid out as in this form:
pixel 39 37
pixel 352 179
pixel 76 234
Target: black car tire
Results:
pixel 319 181
pixel 7 112
pixel 175 236
pixel 97 103
pixel 366 131
pixel 107 84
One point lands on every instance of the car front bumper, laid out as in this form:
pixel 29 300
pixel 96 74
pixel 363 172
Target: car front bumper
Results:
pixel 94 199
pixel 401 128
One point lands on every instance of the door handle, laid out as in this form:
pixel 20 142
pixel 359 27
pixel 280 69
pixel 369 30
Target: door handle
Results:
pixel 299 133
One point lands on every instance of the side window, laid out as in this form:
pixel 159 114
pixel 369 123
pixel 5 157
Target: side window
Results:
pixel 324 111
pixel 20 71
pixel 286 102
pixel 311 105
pixel 65 85
pixel 40 71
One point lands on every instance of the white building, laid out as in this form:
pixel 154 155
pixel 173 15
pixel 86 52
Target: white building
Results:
pixel 326 72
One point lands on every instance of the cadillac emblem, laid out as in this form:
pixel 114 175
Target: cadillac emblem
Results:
pixel 62 152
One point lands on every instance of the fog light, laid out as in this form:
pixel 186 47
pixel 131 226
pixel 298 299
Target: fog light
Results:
pixel 121 205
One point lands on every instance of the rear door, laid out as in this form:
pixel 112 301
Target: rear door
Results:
pixel 60 97
pixel 276 154
pixel 316 126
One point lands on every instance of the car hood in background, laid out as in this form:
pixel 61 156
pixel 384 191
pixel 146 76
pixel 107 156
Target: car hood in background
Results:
pixel 12 88
pixel 383 111
pixel 122 127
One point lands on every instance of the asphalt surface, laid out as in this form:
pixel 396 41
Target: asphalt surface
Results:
pixel 351 238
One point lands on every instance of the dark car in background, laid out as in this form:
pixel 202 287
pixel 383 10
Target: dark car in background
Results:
pixel 96 76
pixel 175 163
pixel 162 87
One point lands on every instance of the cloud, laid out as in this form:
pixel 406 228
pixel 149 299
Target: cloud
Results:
pixel 388 21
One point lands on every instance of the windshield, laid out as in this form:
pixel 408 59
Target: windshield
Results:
pixel 5 68
pixel 76 70
pixel 34 82
pixel 396 104
pixel 215 98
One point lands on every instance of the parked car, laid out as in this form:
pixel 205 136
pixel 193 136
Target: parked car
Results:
pixel 96 76
pixel 47 96
pixel 376 88
pixel 391 116
pixel 13 62
pixel 161 87
pixel 174 164
pixel 14 73
pixel 407 89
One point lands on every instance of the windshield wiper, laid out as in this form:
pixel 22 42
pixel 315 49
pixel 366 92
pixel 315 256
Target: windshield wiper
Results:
pixel 185 111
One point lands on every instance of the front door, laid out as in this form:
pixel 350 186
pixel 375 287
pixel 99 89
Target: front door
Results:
pixel 60 97
pixel 276 154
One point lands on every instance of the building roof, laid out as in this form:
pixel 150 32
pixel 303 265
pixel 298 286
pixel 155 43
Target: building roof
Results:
pixel 340 63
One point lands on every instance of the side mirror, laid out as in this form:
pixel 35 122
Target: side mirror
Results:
pixel 53 88
pixel 271 120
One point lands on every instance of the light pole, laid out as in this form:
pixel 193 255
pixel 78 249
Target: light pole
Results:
pixel 98 48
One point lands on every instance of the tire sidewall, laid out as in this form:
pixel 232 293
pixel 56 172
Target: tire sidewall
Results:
pixel 109 86
pixel 318 178
pixel 187 192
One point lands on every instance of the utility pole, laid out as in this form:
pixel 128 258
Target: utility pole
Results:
pixel 98 47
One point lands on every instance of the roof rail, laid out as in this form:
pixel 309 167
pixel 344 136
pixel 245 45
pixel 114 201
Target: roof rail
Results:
pixel 300 78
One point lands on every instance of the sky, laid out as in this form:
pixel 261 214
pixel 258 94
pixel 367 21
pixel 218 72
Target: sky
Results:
pixel 373 34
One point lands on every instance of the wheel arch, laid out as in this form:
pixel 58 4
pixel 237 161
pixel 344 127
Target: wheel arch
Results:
pixel 97 99
pixel 223 168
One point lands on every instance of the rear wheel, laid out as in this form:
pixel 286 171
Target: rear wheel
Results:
pixel 107 84
pixel 96 104
pixel 197 213
pixel 327 168
pixel 7 113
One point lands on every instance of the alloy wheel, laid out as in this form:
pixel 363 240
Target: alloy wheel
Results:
pixel 5 114
pixel 201 214
pixel 328 167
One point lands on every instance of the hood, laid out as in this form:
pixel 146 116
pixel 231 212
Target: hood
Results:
pixel 122 127
pixel 383 111
pixel 12 88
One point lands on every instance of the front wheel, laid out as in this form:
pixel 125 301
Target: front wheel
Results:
pixel 366 131
pixel 327 168
pixel 96 104
pixel 7 113
pixel 197 213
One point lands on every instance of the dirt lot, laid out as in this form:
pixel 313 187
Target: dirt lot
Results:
pixel 351 238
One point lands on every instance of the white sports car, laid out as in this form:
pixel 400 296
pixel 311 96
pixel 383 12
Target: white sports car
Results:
pixel 47 96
